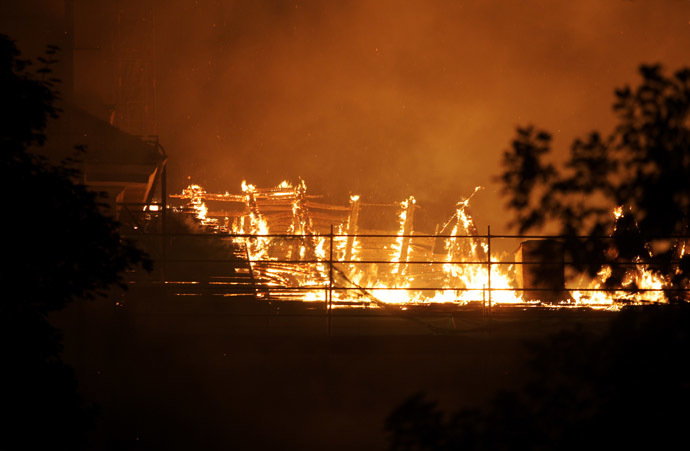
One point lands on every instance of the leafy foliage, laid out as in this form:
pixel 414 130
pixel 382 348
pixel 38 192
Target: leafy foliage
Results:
pixel 59 247
pixel 628 387
pixel 65 248
pixel 624 389
pixel 643 167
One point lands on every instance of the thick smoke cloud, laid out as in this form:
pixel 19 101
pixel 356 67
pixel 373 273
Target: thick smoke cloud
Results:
pixel 392 98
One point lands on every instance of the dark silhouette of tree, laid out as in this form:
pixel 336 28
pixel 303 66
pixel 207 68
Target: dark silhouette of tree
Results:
pixel 625 389
pixel 59 247
pixel 642 168
pixel 417 424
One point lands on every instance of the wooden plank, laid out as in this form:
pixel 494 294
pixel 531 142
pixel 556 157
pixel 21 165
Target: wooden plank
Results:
pixel 274 216
pixel 380 205
pixel 321 206
pixel 225 214
pixel 274 208
pixel 324 217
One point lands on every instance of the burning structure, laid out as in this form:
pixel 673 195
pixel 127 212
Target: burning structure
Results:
pixel 296 247
pixel 291 242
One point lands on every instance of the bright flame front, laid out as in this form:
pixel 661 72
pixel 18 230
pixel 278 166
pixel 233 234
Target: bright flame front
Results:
pixel 454 265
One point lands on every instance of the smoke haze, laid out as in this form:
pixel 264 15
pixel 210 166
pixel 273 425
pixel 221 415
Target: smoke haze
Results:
pixel 388 98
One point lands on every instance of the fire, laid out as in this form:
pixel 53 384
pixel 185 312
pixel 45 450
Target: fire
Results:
pixel 461 248
pixel 402 241
pixel 649 284
pixel 257 248
pixel 317 252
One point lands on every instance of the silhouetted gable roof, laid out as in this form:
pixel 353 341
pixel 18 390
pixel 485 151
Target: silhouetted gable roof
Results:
pixel 104 143
pixel 122 164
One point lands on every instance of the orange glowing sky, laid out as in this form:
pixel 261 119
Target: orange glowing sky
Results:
pixel 386 98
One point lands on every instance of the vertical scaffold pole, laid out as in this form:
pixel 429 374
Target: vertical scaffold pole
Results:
pixel 164 222
pixel 352 226
pixel 488 259
pixel 330 282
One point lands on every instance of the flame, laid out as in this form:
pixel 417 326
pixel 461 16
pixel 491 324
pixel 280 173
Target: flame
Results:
pixel 618 212
pixel 402 223
pixel 475 274
pixel 650 285
pixel 195 194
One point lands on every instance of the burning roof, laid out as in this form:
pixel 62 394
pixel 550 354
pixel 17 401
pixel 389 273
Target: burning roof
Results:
pixel 317 251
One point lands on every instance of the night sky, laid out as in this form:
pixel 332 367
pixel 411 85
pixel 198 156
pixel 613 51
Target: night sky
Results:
pixel 383 98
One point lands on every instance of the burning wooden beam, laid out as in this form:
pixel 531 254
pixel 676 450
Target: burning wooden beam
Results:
pixel 352 226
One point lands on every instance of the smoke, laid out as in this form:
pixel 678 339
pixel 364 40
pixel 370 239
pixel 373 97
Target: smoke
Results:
pixel 392 98
pixel 388 99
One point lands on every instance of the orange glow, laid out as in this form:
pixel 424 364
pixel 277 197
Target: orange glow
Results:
pixel 394 276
